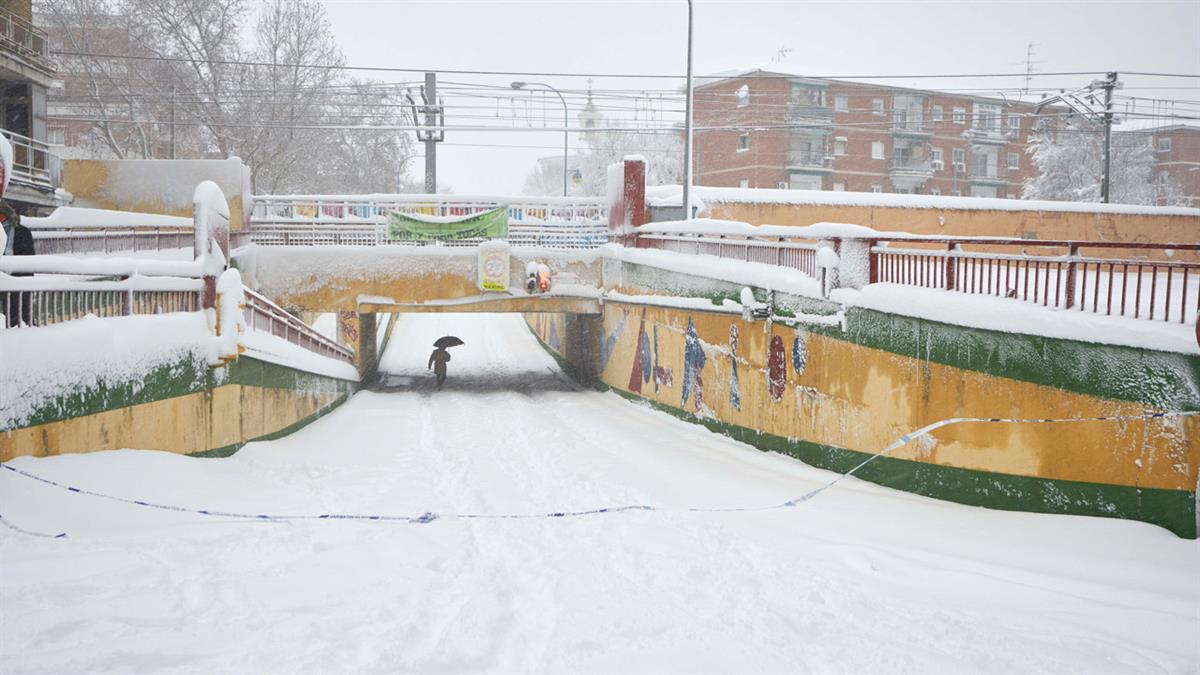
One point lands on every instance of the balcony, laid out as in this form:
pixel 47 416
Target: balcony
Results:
pixel 908 172
pixel 20 38
pixel 816 161
pixel 991 134
pixel 33 165
pixel 909 126
pixel 806 114
pixel 987 175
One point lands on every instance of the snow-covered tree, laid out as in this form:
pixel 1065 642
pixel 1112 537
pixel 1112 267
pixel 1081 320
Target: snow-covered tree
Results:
pixel 663 153
pixel 1069 160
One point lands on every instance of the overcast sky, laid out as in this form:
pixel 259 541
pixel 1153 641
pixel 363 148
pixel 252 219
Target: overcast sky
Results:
pixel 824 39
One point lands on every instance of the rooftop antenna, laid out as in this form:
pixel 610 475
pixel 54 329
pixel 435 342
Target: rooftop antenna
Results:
pixel 781 54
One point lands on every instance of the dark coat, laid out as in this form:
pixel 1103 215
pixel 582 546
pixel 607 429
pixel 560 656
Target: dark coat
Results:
pixel 22 243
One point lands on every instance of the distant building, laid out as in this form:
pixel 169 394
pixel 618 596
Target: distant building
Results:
pixel 1177 148
pixel 26 73
pixel 819 134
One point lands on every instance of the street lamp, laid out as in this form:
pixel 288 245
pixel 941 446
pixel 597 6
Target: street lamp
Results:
pixel 566 123
pixel 687 141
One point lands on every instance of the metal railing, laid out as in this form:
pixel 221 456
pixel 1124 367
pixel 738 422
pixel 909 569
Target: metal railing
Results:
pixel 25 40
pixel 1138 288
pixel 362 220
pixel 30 307
pixel 263 315
pixel 67 241
pixel 777 251
pixel 818 159
pixel 33 164
pixel 910 165
pixel 1147 286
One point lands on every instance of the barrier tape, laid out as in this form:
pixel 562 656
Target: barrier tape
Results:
pixel 429 516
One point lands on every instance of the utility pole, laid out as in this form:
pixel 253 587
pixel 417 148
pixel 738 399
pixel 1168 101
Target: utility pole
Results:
pixel 1110 83
pixel 433 133
pixel 172 121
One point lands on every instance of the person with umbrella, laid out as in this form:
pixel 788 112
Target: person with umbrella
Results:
pixel 440 357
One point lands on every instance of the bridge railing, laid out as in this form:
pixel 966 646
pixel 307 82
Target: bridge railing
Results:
pixel 263 315
pixel 1140 282
pixel 361 220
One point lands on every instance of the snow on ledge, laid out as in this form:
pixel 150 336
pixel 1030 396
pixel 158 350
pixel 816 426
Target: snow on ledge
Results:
pixel 67 217
pixel 264 346
pixel 671 195
pixel 1015 316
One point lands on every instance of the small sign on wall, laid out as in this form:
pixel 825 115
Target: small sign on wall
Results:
pixel 493 265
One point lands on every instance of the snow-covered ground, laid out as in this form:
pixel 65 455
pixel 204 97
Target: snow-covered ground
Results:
pixel 859 579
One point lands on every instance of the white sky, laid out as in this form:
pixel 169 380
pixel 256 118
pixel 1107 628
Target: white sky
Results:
pixel 826 38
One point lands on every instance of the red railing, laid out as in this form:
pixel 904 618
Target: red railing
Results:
pixel 775 251
pixel 262 314
pixel 1058 276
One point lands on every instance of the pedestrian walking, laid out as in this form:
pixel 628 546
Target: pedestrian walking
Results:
pixel 438 360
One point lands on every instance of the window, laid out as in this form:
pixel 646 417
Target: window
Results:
pixel 876 188
pixel 936 192
pixel 839 146
pixel 56 136
pixel 936 113
pixel 745 183
pixel 957 193
pixel 743 143
pixel 1014 124
pixel 935 156
pixel 1164 145
pixel 960 158
pixel 987 117
pixel 743 95
pixel 1014 160
pixel 960 115
pixel 839 187
pixel 876 149
pixel 841 103
pixel 876 106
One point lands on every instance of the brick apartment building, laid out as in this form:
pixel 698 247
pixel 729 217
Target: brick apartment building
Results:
pixel 1177 148
pixel 817 134
pixel 26 73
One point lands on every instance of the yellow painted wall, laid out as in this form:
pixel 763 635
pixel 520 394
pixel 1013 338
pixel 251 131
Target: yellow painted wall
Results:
pixel 1045 225
pixel 156 186
pixel 862 399
pixel 227 415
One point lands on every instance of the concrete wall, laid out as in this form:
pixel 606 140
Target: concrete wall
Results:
pixel 832 398
pixel 184 407
pixel 1046 225
pixel 157 185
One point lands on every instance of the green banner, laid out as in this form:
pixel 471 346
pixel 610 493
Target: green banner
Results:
pixel 491 224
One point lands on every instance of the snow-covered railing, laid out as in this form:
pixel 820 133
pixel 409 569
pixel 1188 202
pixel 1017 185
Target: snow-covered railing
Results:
pixel 1055 275
pixel 361 220
pixel 264 315
pixel 1145 284
pixel 774 251
pixel 564 235
pixel 36 301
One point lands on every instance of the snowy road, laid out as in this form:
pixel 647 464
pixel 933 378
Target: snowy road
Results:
pixel 859 579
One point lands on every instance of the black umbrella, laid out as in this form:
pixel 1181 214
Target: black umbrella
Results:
pixel 447 341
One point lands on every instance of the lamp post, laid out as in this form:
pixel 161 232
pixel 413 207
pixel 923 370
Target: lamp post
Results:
pixel 566 122
pixel 687 132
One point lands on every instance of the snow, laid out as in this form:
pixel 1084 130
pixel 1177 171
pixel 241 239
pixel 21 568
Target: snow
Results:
pixel 66 217
pixel 100 266
pixel 409 198
pixel 827 258
pixel 37 365
pixel 1015 316
pixel 672 195
pixel 264 346
pixel 860 579
pixel 167 183
pixel 759 275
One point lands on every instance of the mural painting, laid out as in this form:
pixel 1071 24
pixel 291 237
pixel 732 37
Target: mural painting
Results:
pixel 693 366
pixel 735 396
pixel 776 369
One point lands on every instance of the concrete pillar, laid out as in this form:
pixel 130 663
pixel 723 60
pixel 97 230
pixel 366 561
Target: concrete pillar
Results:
pixel 366 356
pixel 581 346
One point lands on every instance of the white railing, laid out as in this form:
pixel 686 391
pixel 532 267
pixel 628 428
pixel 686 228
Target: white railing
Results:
pixel 361 220
pixel 30 302
pixel 263 315
pixel 28 42
pixel 71 241
pixel 32 162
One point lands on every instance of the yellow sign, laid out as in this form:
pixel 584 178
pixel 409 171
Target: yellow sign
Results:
pixel 493 265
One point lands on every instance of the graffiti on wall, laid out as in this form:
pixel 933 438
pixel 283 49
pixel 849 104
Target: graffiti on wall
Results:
pixel 693 366
pixel 776 369
pixel 735 394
